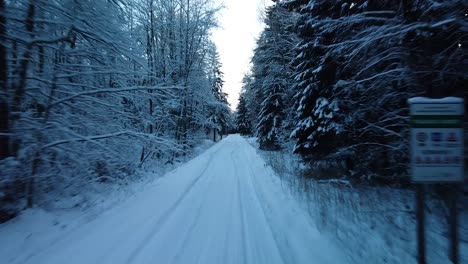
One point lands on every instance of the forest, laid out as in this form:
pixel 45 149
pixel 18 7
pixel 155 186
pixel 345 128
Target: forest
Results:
pixel 113 115
pixel 330 81
pixel 327 101
pixel 92 90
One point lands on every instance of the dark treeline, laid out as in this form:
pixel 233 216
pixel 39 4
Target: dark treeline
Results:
pixel 332 79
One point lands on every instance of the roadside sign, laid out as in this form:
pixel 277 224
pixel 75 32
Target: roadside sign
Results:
pixel 437 139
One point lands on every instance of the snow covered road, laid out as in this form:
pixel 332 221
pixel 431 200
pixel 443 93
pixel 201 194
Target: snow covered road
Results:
pixel 224 206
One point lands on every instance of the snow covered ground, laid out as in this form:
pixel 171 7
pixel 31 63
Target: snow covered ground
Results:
pixel 224 206
pixel 371 224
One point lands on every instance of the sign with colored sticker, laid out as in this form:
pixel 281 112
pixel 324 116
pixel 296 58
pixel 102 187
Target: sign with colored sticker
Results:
pixel 437 139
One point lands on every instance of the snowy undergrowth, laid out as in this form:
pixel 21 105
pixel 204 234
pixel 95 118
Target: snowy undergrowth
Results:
pixel 100 195
pixel 57 216
pixel 372 224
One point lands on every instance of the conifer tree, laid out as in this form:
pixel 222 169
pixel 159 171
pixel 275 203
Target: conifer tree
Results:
pixel 243 125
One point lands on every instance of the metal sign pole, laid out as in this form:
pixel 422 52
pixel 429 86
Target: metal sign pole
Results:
pixel 437 157
pixel 420 223
pixel 454 256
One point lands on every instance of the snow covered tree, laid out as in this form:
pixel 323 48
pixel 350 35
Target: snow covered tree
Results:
pixel 252 95
pixel 243 125
pixel 356 66
pixel 272 75
pixel 314 73
pixel 177 45
pixel 218 120
pixel 270 127
pixel 351 67
pixel 86 85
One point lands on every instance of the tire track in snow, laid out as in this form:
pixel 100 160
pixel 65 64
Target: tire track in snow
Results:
pixel 260 204
pixel 232 215
pixel 194 223
pixel 301 226
pixel 223 207
pixel 112 246
pixel 150 222
pixel 166 215
pixel 241 213
pixel 232 226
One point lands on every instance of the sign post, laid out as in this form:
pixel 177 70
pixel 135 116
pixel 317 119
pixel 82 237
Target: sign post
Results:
pixel 436 157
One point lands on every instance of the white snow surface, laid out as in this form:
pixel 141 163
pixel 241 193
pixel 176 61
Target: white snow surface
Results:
pixel 447 100
pixel 224 206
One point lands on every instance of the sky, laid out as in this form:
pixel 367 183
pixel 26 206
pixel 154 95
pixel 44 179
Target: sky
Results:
pixel 240 25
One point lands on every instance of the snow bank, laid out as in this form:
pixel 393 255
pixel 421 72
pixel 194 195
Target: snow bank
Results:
pixel 372 224
pixel 34 230
pixel 446 100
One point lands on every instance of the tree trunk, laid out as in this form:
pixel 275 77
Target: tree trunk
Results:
pixel 24 64
pixel 4 113
pixel 30 190
pixel 4 129
pixel 19 94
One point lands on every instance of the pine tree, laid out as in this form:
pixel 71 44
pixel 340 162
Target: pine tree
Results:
pixel 270 124
pixel 218 120
pixel 243 125
pixel 316 125
pixel 271 76
pixel 355 67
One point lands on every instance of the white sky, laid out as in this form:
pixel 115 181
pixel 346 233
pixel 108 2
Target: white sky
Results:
pixel 240 26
